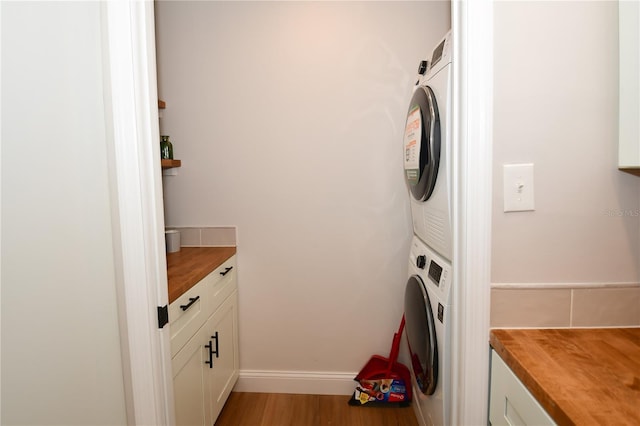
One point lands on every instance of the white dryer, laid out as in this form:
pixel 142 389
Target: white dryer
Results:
pixel 427 311
pixel 427 148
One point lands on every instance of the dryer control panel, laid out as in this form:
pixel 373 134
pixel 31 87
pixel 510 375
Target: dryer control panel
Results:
pixel 441 55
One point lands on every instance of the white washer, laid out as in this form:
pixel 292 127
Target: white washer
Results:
pixel 427 311
pixel 427 160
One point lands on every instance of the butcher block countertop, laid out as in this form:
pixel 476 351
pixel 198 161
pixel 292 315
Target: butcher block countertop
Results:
pixel 579 376
pixel 191 264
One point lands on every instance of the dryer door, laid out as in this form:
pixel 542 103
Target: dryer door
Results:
pixel 422 143
pixel 421 335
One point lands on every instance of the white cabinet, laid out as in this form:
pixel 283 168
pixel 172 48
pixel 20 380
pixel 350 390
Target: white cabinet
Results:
pixel 510 402
pixel 204 346
pixel 629 87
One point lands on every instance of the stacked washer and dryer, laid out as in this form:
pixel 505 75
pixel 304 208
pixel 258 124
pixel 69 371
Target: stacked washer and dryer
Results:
pixel 427 167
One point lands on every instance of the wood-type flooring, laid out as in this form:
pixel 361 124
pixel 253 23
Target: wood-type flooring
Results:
pixel 271 409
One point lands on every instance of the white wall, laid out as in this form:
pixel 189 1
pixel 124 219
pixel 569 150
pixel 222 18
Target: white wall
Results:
pixel 556 105
pixel 288 119
pixel 60 343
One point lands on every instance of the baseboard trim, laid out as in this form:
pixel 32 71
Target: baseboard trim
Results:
pixel 298 382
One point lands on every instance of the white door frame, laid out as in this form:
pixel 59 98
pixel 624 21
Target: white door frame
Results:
pixel 131 98
pixel 131 104
pixel 472 25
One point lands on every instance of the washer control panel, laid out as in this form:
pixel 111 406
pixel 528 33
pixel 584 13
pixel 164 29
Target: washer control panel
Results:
pixel 432 268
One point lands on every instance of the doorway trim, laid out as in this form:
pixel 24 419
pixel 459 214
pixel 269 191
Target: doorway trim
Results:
pixel 131 111
pixel 472 25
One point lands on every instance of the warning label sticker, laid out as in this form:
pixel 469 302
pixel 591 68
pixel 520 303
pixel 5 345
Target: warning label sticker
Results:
pixel 412 143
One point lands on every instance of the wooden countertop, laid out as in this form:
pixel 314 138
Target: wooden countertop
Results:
pixel 579 376
pixel 191 264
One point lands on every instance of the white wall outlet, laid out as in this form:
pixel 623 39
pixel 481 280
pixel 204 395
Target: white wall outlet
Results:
pixel 518 187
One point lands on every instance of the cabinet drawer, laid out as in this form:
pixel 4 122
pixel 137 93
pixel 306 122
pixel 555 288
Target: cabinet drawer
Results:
pixel 224 285
pixel 187 314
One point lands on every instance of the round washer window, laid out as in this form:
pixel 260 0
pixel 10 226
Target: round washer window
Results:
pixel 422 143
pixel 421 335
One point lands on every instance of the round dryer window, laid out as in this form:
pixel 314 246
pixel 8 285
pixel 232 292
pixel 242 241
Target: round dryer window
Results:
pixel 421 335
pixel 422 143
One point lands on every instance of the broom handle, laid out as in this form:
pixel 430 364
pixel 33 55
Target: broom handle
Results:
pixel 395 346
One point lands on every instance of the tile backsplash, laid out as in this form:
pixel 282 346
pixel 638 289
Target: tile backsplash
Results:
pixel 565 305
pixel 216 236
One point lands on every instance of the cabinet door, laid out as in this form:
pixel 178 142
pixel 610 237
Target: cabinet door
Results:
pixel 224 374
pixel 511 404
pixel 190 382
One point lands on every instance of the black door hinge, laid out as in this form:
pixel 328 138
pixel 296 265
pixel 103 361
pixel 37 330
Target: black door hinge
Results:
pixel 163 316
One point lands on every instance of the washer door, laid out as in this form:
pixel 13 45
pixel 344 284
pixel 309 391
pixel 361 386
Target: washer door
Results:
pixel 422 143
pixel 421 335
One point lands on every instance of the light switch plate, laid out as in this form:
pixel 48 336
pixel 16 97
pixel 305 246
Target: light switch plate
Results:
pixel 518 187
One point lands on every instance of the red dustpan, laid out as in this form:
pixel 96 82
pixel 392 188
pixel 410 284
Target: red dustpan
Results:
pixel 379 367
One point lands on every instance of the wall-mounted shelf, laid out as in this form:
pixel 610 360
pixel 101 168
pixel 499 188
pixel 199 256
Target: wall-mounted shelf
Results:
pixel 169 164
